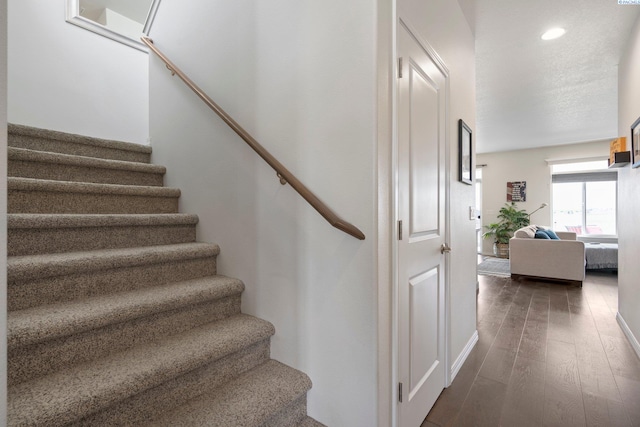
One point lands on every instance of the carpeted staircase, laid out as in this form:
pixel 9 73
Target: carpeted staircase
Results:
pixel 116 313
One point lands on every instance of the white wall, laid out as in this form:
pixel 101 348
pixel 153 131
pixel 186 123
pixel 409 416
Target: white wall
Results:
pixel 3 212
pixel 530 166
pixel 300 76
pixel 66 78
pixel 629 191
pixel 121 24
pixel 443 25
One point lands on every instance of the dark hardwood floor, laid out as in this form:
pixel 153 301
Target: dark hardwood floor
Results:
pixel 548 354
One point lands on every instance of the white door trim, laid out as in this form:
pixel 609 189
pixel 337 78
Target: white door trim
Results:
pixel 386 48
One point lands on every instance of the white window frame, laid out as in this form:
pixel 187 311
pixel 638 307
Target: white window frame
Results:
pixel 73 17
pixel 584 198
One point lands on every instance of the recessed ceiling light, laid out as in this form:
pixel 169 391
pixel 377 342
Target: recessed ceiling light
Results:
pixel 553 33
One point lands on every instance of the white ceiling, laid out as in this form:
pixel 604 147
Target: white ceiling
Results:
pixel 533 93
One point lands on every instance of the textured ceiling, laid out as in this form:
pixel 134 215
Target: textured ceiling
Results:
pixel 533 93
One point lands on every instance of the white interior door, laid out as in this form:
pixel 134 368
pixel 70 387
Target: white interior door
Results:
pixel 422 122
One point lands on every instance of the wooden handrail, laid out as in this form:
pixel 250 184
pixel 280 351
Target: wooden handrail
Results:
pixel 282 172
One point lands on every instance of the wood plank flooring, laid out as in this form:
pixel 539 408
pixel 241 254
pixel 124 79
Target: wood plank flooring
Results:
pixel 549 354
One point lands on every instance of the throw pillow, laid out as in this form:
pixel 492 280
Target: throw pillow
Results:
pixel 542 235
pixel 526 232
pixel 552 234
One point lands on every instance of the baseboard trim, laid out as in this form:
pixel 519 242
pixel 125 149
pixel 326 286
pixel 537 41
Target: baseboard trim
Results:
pixel 462 357
pixel 625 328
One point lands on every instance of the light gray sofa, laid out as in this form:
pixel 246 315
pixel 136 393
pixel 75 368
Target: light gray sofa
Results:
pixel 554 259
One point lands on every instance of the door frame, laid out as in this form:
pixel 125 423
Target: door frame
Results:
pixel 386 67
pixel 392 230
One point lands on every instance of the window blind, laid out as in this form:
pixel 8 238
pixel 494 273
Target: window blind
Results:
pixel 585 177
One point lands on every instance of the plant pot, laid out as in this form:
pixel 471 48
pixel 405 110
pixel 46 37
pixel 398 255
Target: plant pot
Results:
pixel 501 250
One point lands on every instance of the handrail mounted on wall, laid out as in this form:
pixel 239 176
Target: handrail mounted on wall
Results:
pixel 283 173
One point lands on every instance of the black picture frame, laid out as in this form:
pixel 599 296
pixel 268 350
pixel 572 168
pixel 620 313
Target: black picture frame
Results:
pixel 465 153
pixel 635 144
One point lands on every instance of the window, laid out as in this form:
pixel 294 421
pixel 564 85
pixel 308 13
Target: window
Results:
pixel 584 201
pixel 121 20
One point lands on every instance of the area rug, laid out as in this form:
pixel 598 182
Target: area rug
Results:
pixel 494 267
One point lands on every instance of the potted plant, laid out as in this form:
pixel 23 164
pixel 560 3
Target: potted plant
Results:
pixel 510 219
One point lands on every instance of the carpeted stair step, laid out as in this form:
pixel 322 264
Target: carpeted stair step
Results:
pixel 47 338
pixel 29 234
pixel 26 195
pixel 46 279
pixel 20 136
pixel 139 409
pixel 69 395
pixel 65 167
pixel 271 394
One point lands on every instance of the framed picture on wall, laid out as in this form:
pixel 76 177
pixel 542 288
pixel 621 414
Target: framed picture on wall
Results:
pixel 517 191
pixel 635 143
pixel 465 150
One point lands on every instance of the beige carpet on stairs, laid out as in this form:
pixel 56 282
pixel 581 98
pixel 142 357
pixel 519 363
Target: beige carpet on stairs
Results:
pixel 117 315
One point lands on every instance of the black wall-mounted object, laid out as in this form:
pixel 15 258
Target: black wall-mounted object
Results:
pixel 465 153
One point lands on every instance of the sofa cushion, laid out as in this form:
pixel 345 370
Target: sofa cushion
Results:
pixel 526 232
pixel 552 234
pixel 540 234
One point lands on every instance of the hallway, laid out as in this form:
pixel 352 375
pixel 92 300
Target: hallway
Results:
pixel 548 354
